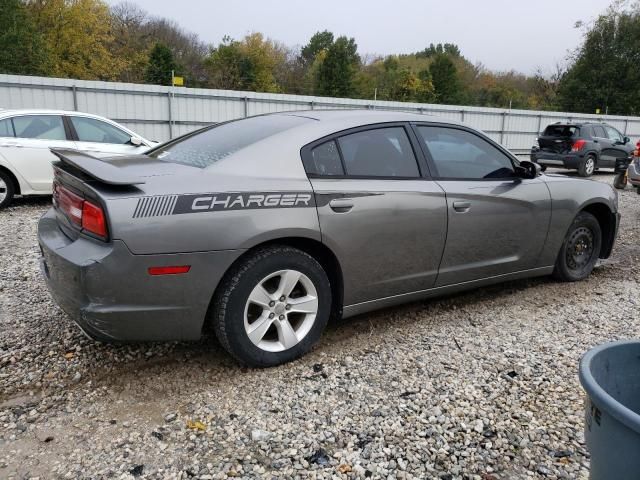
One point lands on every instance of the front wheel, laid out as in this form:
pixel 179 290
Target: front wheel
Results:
pixel 587 166
pixel 580 249
pixel 272 307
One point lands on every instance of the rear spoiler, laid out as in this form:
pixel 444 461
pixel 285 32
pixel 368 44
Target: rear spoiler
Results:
pixel 96 168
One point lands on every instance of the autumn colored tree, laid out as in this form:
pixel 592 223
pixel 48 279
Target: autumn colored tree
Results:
pixel 76 36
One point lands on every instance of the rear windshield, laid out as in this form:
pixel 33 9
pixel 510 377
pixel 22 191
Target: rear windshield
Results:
pixel 213 144
pixel 561 131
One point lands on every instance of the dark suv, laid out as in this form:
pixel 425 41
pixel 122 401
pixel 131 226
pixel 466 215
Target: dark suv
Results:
pixel 581 146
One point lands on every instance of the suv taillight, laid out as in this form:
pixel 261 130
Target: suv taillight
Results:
pixel 82 213
pixel 578 145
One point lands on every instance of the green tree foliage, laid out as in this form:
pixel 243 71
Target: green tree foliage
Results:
pixel 446 83
pixel 320 41
pixel 22 48
pixel 338 69
pixel 161 65
pixel 249 64
pixel 606 71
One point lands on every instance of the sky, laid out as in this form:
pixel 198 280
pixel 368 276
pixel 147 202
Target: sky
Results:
pixel 501 34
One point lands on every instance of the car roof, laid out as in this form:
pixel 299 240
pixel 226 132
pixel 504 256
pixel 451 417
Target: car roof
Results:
pixel 366 116
pixel 43 111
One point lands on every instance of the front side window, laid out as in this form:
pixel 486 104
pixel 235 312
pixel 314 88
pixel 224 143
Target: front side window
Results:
pixel 97 131
pixel 613 134
pixel 324 160
pixel 42 127
pixel 459 154
pixel 383 152
pixel 6 128
pixel 211 145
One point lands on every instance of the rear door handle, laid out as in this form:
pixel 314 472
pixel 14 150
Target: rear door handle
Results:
pixel 461 206
pixel 341 205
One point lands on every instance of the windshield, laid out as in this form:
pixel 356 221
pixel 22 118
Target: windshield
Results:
pixel 218 142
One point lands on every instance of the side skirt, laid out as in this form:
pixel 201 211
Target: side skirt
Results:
pixel 358 308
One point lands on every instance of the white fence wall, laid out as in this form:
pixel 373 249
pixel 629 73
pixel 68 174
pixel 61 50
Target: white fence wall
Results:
pixel 160 113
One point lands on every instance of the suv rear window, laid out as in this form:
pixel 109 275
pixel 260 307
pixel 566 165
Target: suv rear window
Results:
pixel 211 145
pixel 561 131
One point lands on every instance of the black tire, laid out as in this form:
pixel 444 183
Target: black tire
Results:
pixel 587 165
pixel 580 249
pixel 7 188
pixel 620 181
pixel 230 300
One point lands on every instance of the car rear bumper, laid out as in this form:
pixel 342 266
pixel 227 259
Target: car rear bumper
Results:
pixel 559 160
pixel 109 293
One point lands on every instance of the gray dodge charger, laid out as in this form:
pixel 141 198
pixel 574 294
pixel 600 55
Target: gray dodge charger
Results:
pixel 264 228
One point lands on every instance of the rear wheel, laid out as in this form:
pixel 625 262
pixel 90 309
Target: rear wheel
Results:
pixel 273 307
pixel 7 190
pixel 580 249
pixel 587 166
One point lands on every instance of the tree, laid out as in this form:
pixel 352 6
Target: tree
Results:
pixel 337 71
pixel 320 41
pixel 445 80
pixel 77 35
pixel 248 64
pixel 22 48
pixel 161 65
pixel 605 74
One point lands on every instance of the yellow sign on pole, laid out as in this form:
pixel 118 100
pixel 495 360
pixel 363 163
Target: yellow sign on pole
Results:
pixel 178 81
pixel 597 111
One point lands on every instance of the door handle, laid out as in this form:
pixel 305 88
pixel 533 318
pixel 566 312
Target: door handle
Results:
pixel 341 205
pixel 461 206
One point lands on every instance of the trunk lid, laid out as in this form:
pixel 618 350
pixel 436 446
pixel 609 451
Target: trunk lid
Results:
pixel 558 138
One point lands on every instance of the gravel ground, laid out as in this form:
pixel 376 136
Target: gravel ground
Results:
pixel 481 385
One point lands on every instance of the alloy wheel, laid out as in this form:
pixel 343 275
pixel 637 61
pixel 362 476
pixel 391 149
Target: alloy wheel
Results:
pixel 281 310
pixel 3 190
pixel 589 165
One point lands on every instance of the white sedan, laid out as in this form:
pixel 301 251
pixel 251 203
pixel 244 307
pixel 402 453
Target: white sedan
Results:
pixel 27 135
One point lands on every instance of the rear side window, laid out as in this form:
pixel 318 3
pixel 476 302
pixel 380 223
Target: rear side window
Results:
pixel 6 128
pixel 383 152
pixel 324 160
pixel 561 131
pixel 458 154
pixel 214 144
pixel 92 130
pixel 42 127
pixel 598 131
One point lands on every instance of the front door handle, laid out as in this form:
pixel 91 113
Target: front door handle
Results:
pixel 341 205
pixel 461 206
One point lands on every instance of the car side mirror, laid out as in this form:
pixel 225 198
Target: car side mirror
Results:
pixel 626 140
pixel 135 141
pixel 528 170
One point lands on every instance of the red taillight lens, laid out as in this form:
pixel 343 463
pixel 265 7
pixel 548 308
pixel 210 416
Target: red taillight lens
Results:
pixel 69 203
pixel 93 219
pixel 169 270
pixel 578 145
pixel 83 213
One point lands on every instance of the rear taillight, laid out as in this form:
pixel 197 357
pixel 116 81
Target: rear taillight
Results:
pixel 82 213
pixel 578 145
pixel 93 219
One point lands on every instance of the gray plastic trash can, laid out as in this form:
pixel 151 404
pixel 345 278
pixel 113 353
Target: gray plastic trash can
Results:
pixel 610 374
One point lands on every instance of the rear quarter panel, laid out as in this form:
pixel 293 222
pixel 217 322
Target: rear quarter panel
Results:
pixel 569 196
